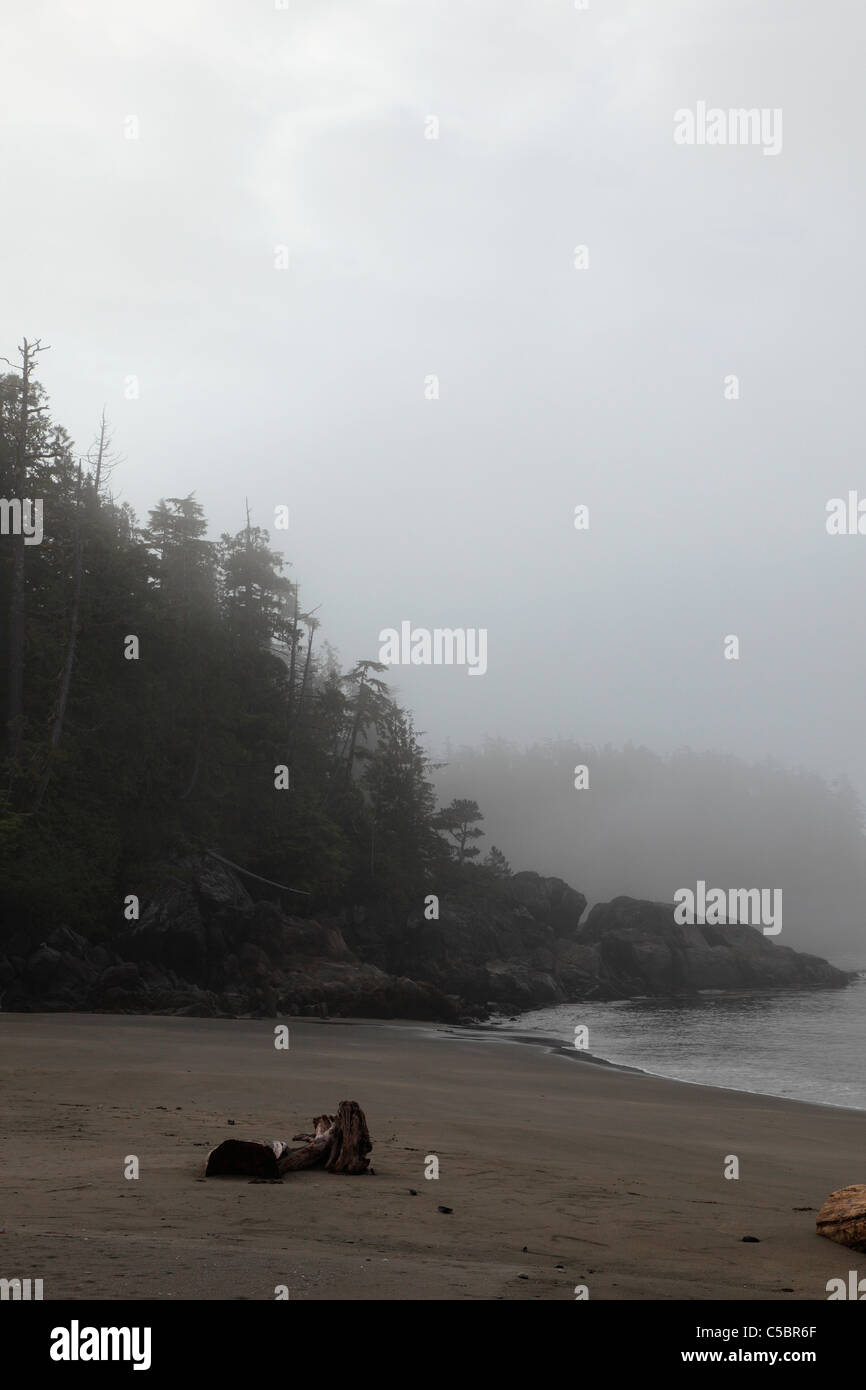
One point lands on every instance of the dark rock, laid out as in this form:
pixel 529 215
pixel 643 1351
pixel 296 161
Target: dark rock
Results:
pixel 205 948
pixel 124 976
pixel 639 949
pixel 43 967
pixel 549 900
pixel 200 1008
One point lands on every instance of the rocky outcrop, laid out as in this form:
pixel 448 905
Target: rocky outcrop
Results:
pixel 525 948
pixel 634 948
pixel 493 947
pixel 67 972
pixel 205 946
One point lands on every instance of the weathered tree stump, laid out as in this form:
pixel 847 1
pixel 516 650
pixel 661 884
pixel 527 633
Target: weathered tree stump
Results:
pixel 351 1142
pixel 340 1144
pixel 843 1216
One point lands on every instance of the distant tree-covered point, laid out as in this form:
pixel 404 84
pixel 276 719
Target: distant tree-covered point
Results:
pixel 643 824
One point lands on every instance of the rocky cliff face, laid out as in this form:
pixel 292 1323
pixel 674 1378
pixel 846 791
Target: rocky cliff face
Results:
pixel 635 948
pixel 526 948
pixel 494 949
pixel 204 946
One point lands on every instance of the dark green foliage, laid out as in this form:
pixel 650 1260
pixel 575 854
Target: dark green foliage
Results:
pixel 459 820
pixel 496 862
pixel 178 750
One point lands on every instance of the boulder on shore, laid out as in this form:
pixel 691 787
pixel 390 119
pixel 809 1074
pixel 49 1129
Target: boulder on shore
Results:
pixel 843 1216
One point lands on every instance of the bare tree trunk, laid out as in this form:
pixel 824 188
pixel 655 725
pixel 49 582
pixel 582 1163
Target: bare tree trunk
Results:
pixel 249 575
pixel 299 710
pixel 356 728
pixel 304 679
pixel 99 456
pixel 15 705
pixel 290 722
pixel 15 699
pixel 69 663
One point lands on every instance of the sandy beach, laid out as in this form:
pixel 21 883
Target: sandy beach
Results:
pixel 558 1172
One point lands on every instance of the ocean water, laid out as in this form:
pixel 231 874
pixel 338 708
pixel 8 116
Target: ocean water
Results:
pixel 805 1045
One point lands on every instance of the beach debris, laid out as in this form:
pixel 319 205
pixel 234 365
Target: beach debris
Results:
pixel 843 1216
pixel 235 1157
pixel 446 1211
pixel 752 1240
pixel 339 1143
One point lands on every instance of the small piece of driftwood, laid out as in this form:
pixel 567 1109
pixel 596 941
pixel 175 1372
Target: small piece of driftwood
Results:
pixel 339 1143
pixel 843 1216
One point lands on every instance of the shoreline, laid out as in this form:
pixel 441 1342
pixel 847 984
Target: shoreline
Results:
pixel 556 1047
pixel 480 1030
pixel 800 1082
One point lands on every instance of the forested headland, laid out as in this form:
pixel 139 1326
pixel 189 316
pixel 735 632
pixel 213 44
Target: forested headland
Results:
pixel 165 693
pixel 169 702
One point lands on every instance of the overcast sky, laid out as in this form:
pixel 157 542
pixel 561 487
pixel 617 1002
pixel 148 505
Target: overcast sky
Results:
pixel 304 127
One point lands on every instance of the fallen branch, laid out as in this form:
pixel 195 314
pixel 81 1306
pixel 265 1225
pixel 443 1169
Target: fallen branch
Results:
pixel 315 1151
pixel 301 892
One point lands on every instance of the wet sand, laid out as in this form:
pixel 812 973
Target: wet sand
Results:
pixel 610 1179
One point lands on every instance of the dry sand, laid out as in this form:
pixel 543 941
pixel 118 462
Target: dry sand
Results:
pixel 615 1177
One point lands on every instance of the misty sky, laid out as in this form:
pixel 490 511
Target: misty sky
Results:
pixel 305 127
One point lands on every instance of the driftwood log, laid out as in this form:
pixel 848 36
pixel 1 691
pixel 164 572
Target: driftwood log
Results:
pixel 340 1143
pixel 843 1216
pixel 242 1156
